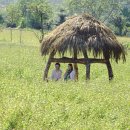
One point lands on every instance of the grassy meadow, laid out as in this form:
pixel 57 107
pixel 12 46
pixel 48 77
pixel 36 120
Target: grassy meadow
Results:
pixel 28 103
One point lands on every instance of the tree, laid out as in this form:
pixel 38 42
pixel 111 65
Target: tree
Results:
pixel 13 15
pixel 119 22
pixel 36 14
pixel 108 11
pixel 126 13
pixel 1 19
pixel 62 16
pixel 122 21
pixel 101 9
pixel 41 10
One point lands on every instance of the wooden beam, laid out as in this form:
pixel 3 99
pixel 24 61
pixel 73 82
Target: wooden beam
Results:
pixel 80 61
pixel 45 76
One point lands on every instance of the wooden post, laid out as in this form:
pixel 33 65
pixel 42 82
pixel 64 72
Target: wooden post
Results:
pixel 76 71
pixel 88 71
pixel 75 66
pixel 45 76
pixel 108 64
pixel 87 65
pixel 20 38
pixel 109 68
pixel 85 53
pixel 11 34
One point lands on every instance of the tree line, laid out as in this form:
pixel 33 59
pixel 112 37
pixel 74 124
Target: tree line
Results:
pixel 44 14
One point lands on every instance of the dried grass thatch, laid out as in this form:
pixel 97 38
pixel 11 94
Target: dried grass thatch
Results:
pixel 83 32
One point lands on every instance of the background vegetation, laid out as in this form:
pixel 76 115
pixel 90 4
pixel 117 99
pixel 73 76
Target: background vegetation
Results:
pixel 46 14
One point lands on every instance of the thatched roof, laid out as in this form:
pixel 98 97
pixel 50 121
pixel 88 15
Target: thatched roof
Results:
pixel 83 32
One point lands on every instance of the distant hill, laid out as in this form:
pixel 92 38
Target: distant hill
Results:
pixel 5 2
pixel 56 1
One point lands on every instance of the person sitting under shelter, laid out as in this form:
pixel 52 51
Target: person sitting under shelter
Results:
pixel 56 73
pixel 70 73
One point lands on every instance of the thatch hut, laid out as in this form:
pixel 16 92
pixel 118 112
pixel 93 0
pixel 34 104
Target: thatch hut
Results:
pixel 82 34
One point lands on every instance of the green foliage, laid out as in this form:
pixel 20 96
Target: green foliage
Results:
pixel 42 15
pixel 126 13
pixel 13 15
pixel 22 23
pixel 108 11
pixel 101 9
pixel 120 23
pixel 1 19
pixel 36 13
pixel 128 24
pixel 62 16
pixel 29 13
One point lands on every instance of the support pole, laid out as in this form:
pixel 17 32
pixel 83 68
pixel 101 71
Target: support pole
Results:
pixel 108 64
pixel 110 71
pixel 45 76
pixel 87 65
pixel 85 53
pixel 75 66
pixel 88 71
pixel 20 38
pixel 11 34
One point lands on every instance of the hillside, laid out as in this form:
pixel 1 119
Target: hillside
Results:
pixel 5 2
pixel 56 1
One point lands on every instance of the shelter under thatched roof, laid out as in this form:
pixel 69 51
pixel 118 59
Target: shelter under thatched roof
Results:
pixel 80 34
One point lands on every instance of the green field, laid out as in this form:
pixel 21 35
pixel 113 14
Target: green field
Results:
pixel 28 103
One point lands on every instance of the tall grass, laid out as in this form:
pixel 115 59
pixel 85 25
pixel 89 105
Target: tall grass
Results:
pixel 28 103
pixel 25 36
